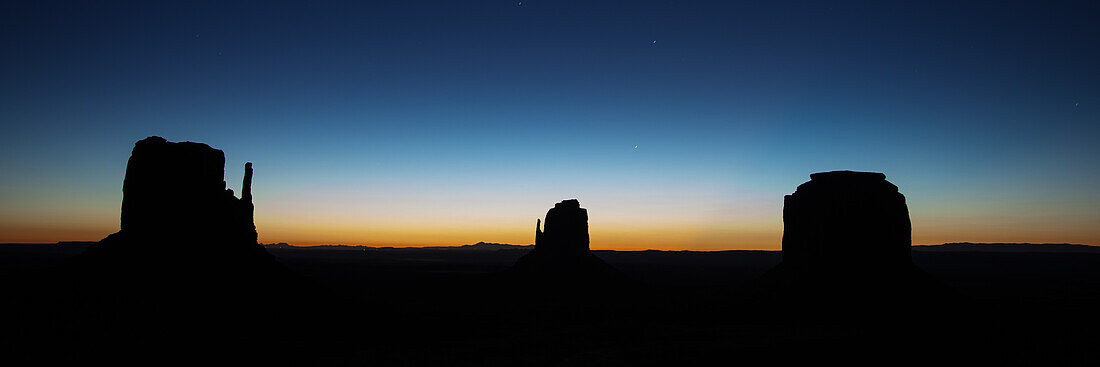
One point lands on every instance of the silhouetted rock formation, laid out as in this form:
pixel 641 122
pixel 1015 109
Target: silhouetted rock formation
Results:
pixel 185 264
pixel 846 239
pixel 566 232
pixel 175 194
pixel 846 219
pixel 184 237
pixel 562 248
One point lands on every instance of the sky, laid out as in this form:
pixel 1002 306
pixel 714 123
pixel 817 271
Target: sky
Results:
pixel 677 124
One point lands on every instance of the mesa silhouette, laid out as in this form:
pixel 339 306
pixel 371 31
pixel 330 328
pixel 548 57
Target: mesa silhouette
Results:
pixel 847 237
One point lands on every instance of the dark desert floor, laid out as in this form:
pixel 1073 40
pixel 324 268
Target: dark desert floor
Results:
pixel 1018 305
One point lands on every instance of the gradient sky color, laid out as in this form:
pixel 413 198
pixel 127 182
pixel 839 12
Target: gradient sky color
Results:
pixel 453 122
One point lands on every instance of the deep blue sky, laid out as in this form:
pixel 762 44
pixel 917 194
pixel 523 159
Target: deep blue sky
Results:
pixel 428 122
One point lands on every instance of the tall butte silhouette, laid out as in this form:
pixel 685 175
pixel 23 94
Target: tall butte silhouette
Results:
pixel 562 247
pixel 175 193
pixel 846 239
pixel 185 264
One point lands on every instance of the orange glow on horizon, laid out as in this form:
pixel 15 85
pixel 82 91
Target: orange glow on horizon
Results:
pixel 608 231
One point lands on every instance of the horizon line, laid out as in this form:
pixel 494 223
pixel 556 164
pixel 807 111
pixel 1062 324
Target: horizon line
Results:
pixel 592 249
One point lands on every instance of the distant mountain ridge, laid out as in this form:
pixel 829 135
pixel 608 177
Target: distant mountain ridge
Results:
pixel 489 246
pixel 1009 247
pixel 946 247
pixel 480 246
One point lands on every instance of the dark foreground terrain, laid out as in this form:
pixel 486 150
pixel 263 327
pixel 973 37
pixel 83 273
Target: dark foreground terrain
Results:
pixel 1015 305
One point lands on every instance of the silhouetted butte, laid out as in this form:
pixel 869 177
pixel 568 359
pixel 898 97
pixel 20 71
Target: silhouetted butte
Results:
pixel 185 262
pixel 850 220
pixel 846 241
pixel 175 194
pixel 561 247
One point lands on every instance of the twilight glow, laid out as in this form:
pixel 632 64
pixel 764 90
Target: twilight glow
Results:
pixel 678 125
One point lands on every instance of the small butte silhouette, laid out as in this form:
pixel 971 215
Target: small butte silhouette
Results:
pixel 562 248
